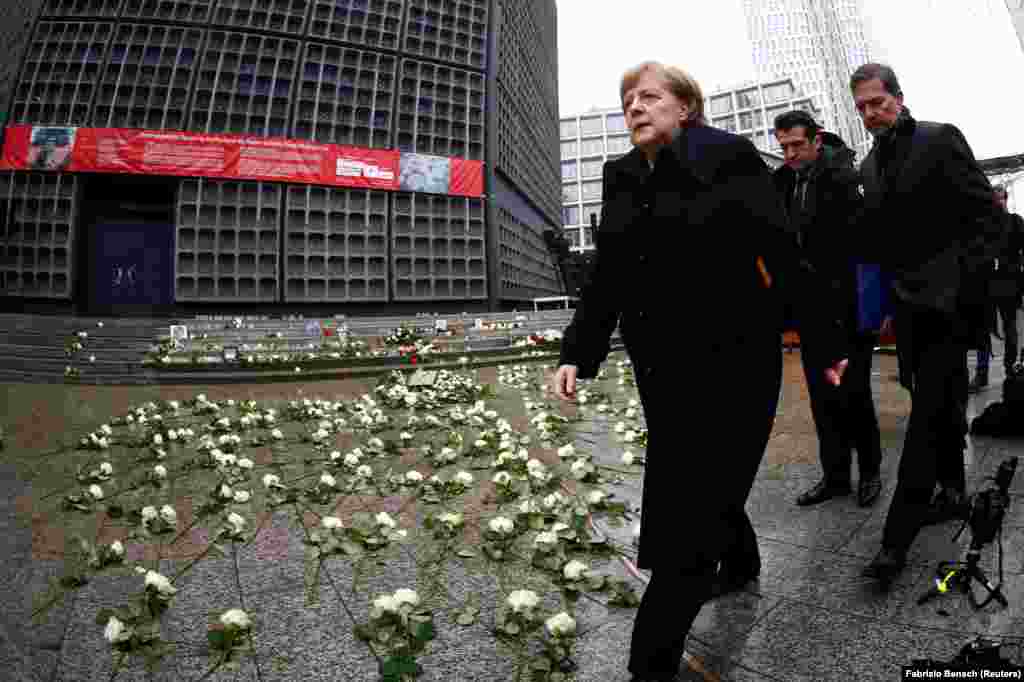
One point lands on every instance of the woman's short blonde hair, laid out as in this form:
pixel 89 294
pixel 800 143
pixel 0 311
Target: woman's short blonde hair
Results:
pixel 679 83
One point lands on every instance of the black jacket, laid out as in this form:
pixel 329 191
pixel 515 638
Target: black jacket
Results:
pixel 823 211
pixel 929 218
pixel 680 245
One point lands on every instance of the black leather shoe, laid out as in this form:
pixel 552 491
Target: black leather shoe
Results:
pixel 869 490
pixel 886 565
pixel 822 491
pixel 727 582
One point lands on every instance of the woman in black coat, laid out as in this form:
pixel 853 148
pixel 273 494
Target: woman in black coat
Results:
pixel 691 253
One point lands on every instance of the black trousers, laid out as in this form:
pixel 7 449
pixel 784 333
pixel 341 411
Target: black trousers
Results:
pixel 680 584
pixel 933 365
pixel 1006 309
pixel 844 417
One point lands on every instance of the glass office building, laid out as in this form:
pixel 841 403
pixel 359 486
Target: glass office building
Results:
pixel 591 138
pixel 457 79
pixel 819 45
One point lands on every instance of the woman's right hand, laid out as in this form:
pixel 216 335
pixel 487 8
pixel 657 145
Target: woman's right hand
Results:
pixel 564 382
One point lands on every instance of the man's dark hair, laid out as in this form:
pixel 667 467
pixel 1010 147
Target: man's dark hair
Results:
pixel 882 72
pixel 796 118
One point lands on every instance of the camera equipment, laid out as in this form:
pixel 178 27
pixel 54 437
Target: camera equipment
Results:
pixel 987 510
pixel 978 653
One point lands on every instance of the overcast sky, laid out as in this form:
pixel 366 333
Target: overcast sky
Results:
pixel 958 62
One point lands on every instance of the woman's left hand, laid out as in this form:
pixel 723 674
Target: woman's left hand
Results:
pixel 834 374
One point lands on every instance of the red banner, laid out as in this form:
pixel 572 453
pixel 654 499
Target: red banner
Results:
pixel 154 152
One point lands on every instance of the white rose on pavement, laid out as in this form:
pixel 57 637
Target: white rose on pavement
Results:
pixel 595 497
pixel 168 514
pixel 560 625
pixel 385 603
pixel 271 481
pixel 628 458
pixel 364 471
pixel 406 596
pixel 116 548
pixel 331 522
pixel 383 519
pixel 413 477
pixel 245 463
pixel 236 618
pixel 574 570
pixel 160 583
pixel 465 478
pixel 276 434
pixel 237 522
pixel 160 471
pixel 95 492
pixel 148 514
pixel 242 496
pixel 116 631
pixel 523 600
pixel 328 480
pixel 106 468
pixel 501 525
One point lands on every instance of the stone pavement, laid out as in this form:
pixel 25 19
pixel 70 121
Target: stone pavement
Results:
pixel 810 616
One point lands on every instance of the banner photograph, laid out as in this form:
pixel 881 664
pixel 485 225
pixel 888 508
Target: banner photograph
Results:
pixel 149 152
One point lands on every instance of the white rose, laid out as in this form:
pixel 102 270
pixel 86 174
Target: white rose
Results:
pixel 172 434
pixel 351 460
pixel 276 434
pixel 160 471
pixel 148 514
pixel 237 522
pixel 335 455
pixel 331 522
pixel 579 469
pixel 105 428
pixel 376 443
pixel 545 539
pixel 328 480
pixel 559 527
pixel 630 413
pixel 242 496
pixel 160 583
pixel 168 514
pixel 450 518
pixel 629 436
pixel 106 468
pixel 534 465
pixel 464 477
pixel 502 525
pixel 116 548
pixel 236 618
pixel 231 402
pixel 521 600
pixel 364 471
pixel 620 427
pixel 502 478
pixel 405 435
pixel 406 596
pixel 383 519
pixel 116 631
pixel 628 458
pixel 226 492
pixel 385 603
pixel 95 492
pixel 245 463
pixel 158 439
pixel 595 497
pixel 413 477
pixel 560 624
pixel 271 481
pixel 574 570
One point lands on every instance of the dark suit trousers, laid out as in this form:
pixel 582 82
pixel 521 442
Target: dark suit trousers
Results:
pixel 936 350
pixel 844 417
pixel 741 408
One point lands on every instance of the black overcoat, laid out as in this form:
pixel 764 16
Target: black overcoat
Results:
pixel 677 269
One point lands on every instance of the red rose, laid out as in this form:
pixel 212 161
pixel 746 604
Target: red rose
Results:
pixel 412 359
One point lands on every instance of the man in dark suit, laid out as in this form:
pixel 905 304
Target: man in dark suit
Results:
pixel 691 233
pixel 930 221
pixel 821 191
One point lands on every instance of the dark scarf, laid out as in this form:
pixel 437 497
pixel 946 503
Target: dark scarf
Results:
pixel 891 147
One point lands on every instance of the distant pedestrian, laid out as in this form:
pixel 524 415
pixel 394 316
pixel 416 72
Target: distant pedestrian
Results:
pixel 691 253
pixel 820 188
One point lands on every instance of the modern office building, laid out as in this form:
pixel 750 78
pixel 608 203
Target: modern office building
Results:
pixel 591 138
pixel 818 44
pixel 349 155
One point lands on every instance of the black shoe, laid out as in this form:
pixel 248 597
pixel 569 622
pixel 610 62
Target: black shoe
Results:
pixel 948 505
pixel 654 678
pixel 822 491
pixel 868 490
pixel 886 565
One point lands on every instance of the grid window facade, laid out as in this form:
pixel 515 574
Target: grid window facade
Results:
pixel 37 212
pixel 286 16
pixel 82 8
pixel 453 31
pixel 526 265
pixel 438 248
pixel 335 245
pixel 346 96
pixel 440 110
pixel 191 11
pixel 245 85
pixel 227 241
pixel 148 78
pixel 62 69
pixel 372 24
